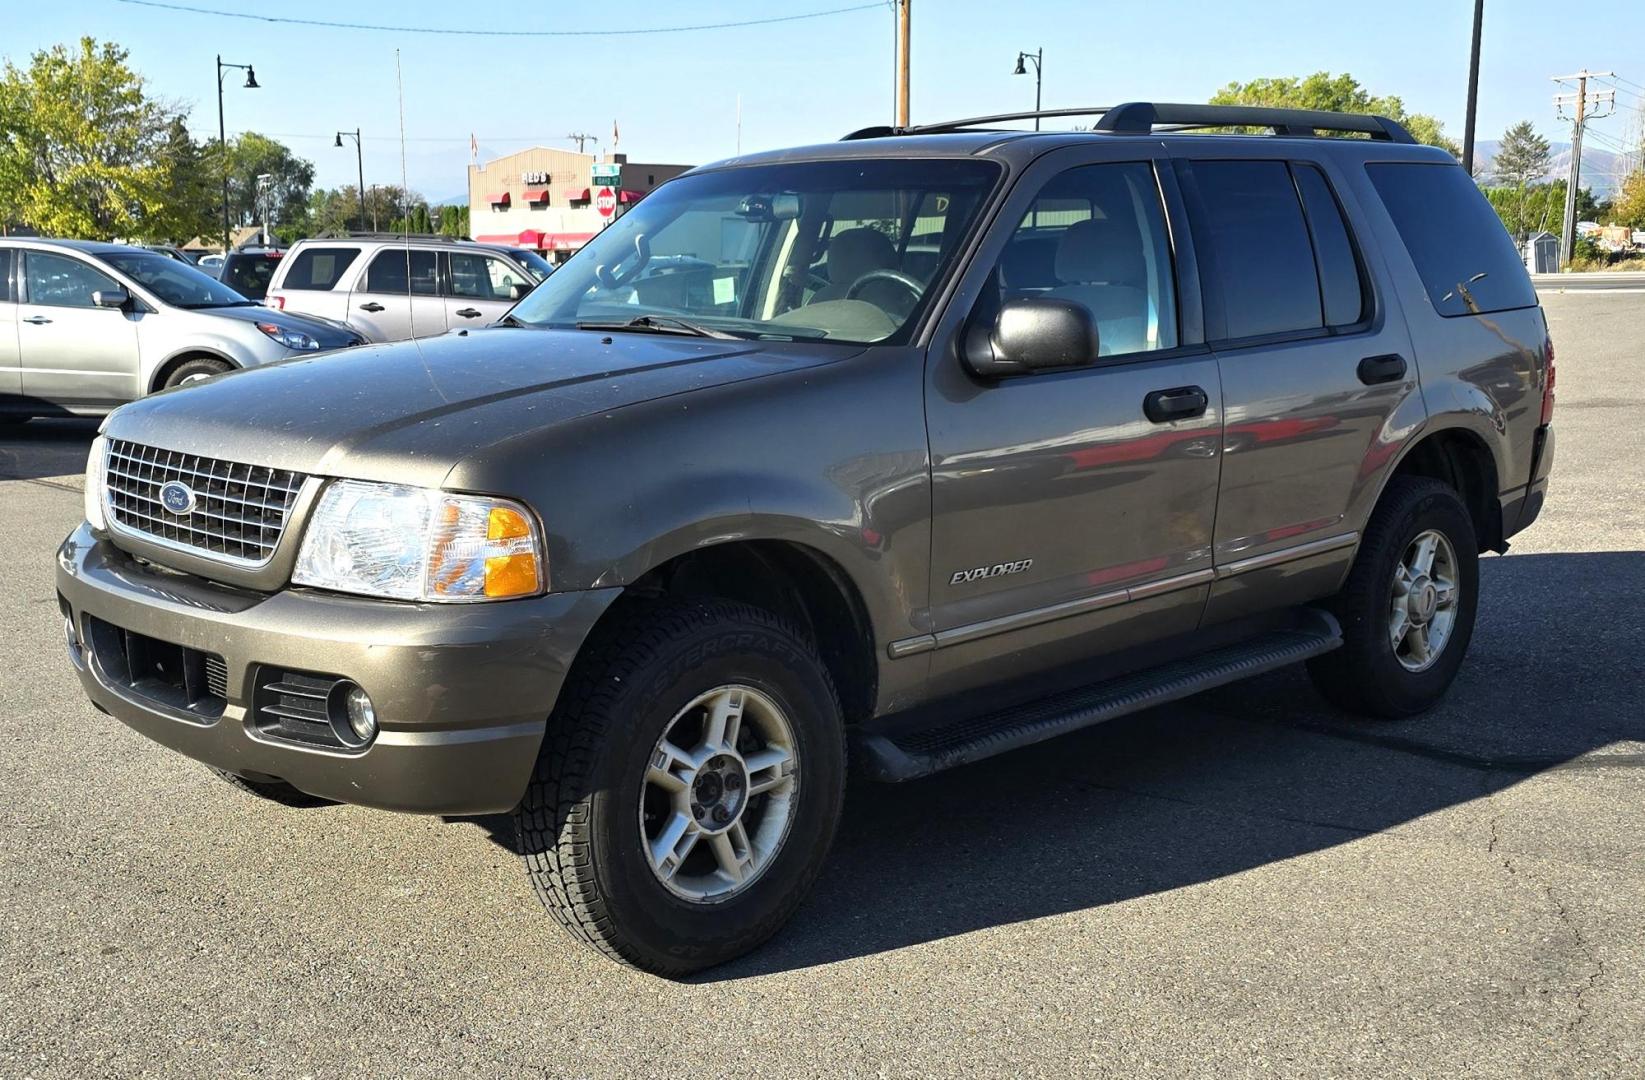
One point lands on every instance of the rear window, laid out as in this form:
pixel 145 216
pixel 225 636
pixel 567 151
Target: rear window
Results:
pixel 1466 259
pixel 318 268
pixel 249 275
pixel 1261 252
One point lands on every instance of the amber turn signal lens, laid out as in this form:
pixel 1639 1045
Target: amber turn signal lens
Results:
pixel 511 575
pixel 506 523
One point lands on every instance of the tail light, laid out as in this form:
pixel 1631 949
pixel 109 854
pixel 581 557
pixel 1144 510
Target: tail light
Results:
pixel 277 302
pixel 1548 380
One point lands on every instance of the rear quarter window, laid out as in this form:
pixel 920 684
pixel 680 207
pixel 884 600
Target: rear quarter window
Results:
pixel 1468 263
pixel 318 268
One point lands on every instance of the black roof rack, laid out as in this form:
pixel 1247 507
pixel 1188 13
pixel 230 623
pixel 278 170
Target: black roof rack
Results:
pixel 1144 117
pixel 439 237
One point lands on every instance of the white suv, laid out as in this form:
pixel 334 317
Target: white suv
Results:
pixel 390 287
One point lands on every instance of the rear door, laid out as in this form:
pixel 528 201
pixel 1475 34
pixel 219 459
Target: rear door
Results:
pixel 480 288
pixel 72 352
pixel 1318 379
pixel 311 280
pixel 398 296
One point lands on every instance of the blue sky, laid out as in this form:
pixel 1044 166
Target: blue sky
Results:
pixel 675 95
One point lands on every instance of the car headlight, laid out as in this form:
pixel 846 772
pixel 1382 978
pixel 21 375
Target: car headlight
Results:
pixel 291 339
pixel 94 484
pixel 409 543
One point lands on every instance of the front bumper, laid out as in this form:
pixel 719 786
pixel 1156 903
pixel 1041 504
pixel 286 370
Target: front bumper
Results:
pixel 462 691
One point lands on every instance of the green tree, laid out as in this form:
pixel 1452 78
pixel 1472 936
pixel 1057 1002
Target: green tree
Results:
pixel 1522 159
pixel 83 148
pixel 189 204
pixel 285 193
pixel 1335 93
pixel 452 220
pixel 1628 206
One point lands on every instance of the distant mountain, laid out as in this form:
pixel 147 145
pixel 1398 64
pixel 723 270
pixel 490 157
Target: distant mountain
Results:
pixel 1601 169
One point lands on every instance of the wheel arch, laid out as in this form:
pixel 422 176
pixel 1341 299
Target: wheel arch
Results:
pixel 1461 458
pixel 163 370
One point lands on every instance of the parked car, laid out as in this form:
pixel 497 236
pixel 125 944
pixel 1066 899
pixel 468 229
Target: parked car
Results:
pixel 170 252
pixel 86 326
pixel 389 288
pixel 211 264
pixel 248 271
pixel 956 439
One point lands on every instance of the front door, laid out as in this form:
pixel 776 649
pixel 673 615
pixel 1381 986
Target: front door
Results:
pixel 480 288
pixel 398 296
pixel 72 352
pixel 1318 380
pixel 1071 516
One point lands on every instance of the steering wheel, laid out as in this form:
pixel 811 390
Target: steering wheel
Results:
pixel 897 277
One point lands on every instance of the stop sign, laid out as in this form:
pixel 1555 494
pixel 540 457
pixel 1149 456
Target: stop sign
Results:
pixel 606 201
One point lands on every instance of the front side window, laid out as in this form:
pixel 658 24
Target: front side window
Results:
pixel 1466 259
pixel 485 277
pixel 59 281
pixel 398 272
pixel 843 251
pixel 175 283
pixel 1096 235
pixel 318 268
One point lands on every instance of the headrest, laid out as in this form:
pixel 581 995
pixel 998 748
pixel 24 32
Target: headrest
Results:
pixel 855 252
pixel 1101 250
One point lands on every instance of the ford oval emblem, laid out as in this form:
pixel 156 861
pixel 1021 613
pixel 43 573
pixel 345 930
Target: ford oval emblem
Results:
pixel 177 497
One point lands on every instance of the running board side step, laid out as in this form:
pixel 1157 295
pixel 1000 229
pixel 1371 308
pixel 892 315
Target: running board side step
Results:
pixel 908 755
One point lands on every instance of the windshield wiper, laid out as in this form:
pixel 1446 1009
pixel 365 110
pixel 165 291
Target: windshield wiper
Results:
pixel 661 324
pixel 510 320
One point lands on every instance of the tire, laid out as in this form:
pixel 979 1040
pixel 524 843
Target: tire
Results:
pixel 585 824
pixel 1372 675
pixel 200 367
pixel 277 791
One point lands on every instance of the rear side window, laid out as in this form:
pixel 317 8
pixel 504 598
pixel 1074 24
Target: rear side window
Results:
pixel 1464 256
pixel 398 271
pixel 5 274
pixel 317 268
pixel 1261 253
pixel 1340 289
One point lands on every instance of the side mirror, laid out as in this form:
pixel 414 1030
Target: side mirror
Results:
pixel 518 290
pixel 110 298
pixel 1032 333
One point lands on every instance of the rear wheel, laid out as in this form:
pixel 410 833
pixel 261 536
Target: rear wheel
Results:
pixel 689 786
pixel 1408 608
pixel 195 370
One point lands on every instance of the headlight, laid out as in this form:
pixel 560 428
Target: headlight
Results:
pixel 94 484
pixel 291 339
pixel 410 543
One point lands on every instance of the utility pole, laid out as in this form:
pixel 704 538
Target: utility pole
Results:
pixel 1567 235
pixel 1473 91
pixel 903 37
pixel 579 138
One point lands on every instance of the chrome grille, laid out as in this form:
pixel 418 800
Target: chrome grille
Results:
pixel 239 513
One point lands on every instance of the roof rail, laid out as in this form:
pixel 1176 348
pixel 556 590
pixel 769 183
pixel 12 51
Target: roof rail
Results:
pixel 397 236
pixel 1143 117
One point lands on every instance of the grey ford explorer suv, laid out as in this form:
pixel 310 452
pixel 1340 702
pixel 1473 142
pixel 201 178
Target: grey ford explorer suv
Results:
pixel 909 449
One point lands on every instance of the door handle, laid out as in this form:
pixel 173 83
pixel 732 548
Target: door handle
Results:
pixel 37 320
pixel 1181 403
pixel 1381 369
pixel 468 313
pixel 371 306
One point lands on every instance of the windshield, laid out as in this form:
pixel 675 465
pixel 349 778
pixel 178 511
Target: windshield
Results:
pixel 175 283
pixel 839 250
pixel 535 265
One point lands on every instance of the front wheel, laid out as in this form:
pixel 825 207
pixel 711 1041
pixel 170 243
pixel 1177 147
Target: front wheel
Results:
pixel 1408 608
pixel 196 370
pixel 688 788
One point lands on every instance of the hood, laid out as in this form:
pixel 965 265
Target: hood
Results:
pixel 409 411
pixel 330 334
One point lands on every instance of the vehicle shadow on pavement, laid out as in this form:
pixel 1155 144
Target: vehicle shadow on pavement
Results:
pixel 44 448
pixel 1233 779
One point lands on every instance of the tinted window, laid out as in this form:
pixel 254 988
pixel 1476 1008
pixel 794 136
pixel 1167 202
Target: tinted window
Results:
pixel 482 277
pixel 249 275
pixel 318 268
pixel 1465 257
pixel 399 272
pixel 5 273
pixel 1339 276
pixel 1250 224
pixel 1096 235
pixel 59 281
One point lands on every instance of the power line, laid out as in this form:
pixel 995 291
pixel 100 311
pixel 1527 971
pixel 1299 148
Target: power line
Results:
pixel 466 32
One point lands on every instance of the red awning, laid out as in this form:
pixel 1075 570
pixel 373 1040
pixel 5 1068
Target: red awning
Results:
pixel 498 199
pixel 540 241
pixel 565 241
pixel 627 195
pixel 532 195
pixel 576 194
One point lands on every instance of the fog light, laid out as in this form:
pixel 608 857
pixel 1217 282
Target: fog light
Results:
pixel 362 715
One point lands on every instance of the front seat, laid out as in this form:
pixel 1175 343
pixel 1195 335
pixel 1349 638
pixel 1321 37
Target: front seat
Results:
pixel 852 254
pixel 1100 265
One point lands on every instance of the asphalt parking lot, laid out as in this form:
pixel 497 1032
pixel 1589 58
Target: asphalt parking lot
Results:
pixel 1246 883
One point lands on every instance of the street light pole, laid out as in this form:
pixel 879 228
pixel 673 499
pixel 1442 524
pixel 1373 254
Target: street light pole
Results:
pixel 359 160
pixel 222 133
pixel 1038 56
